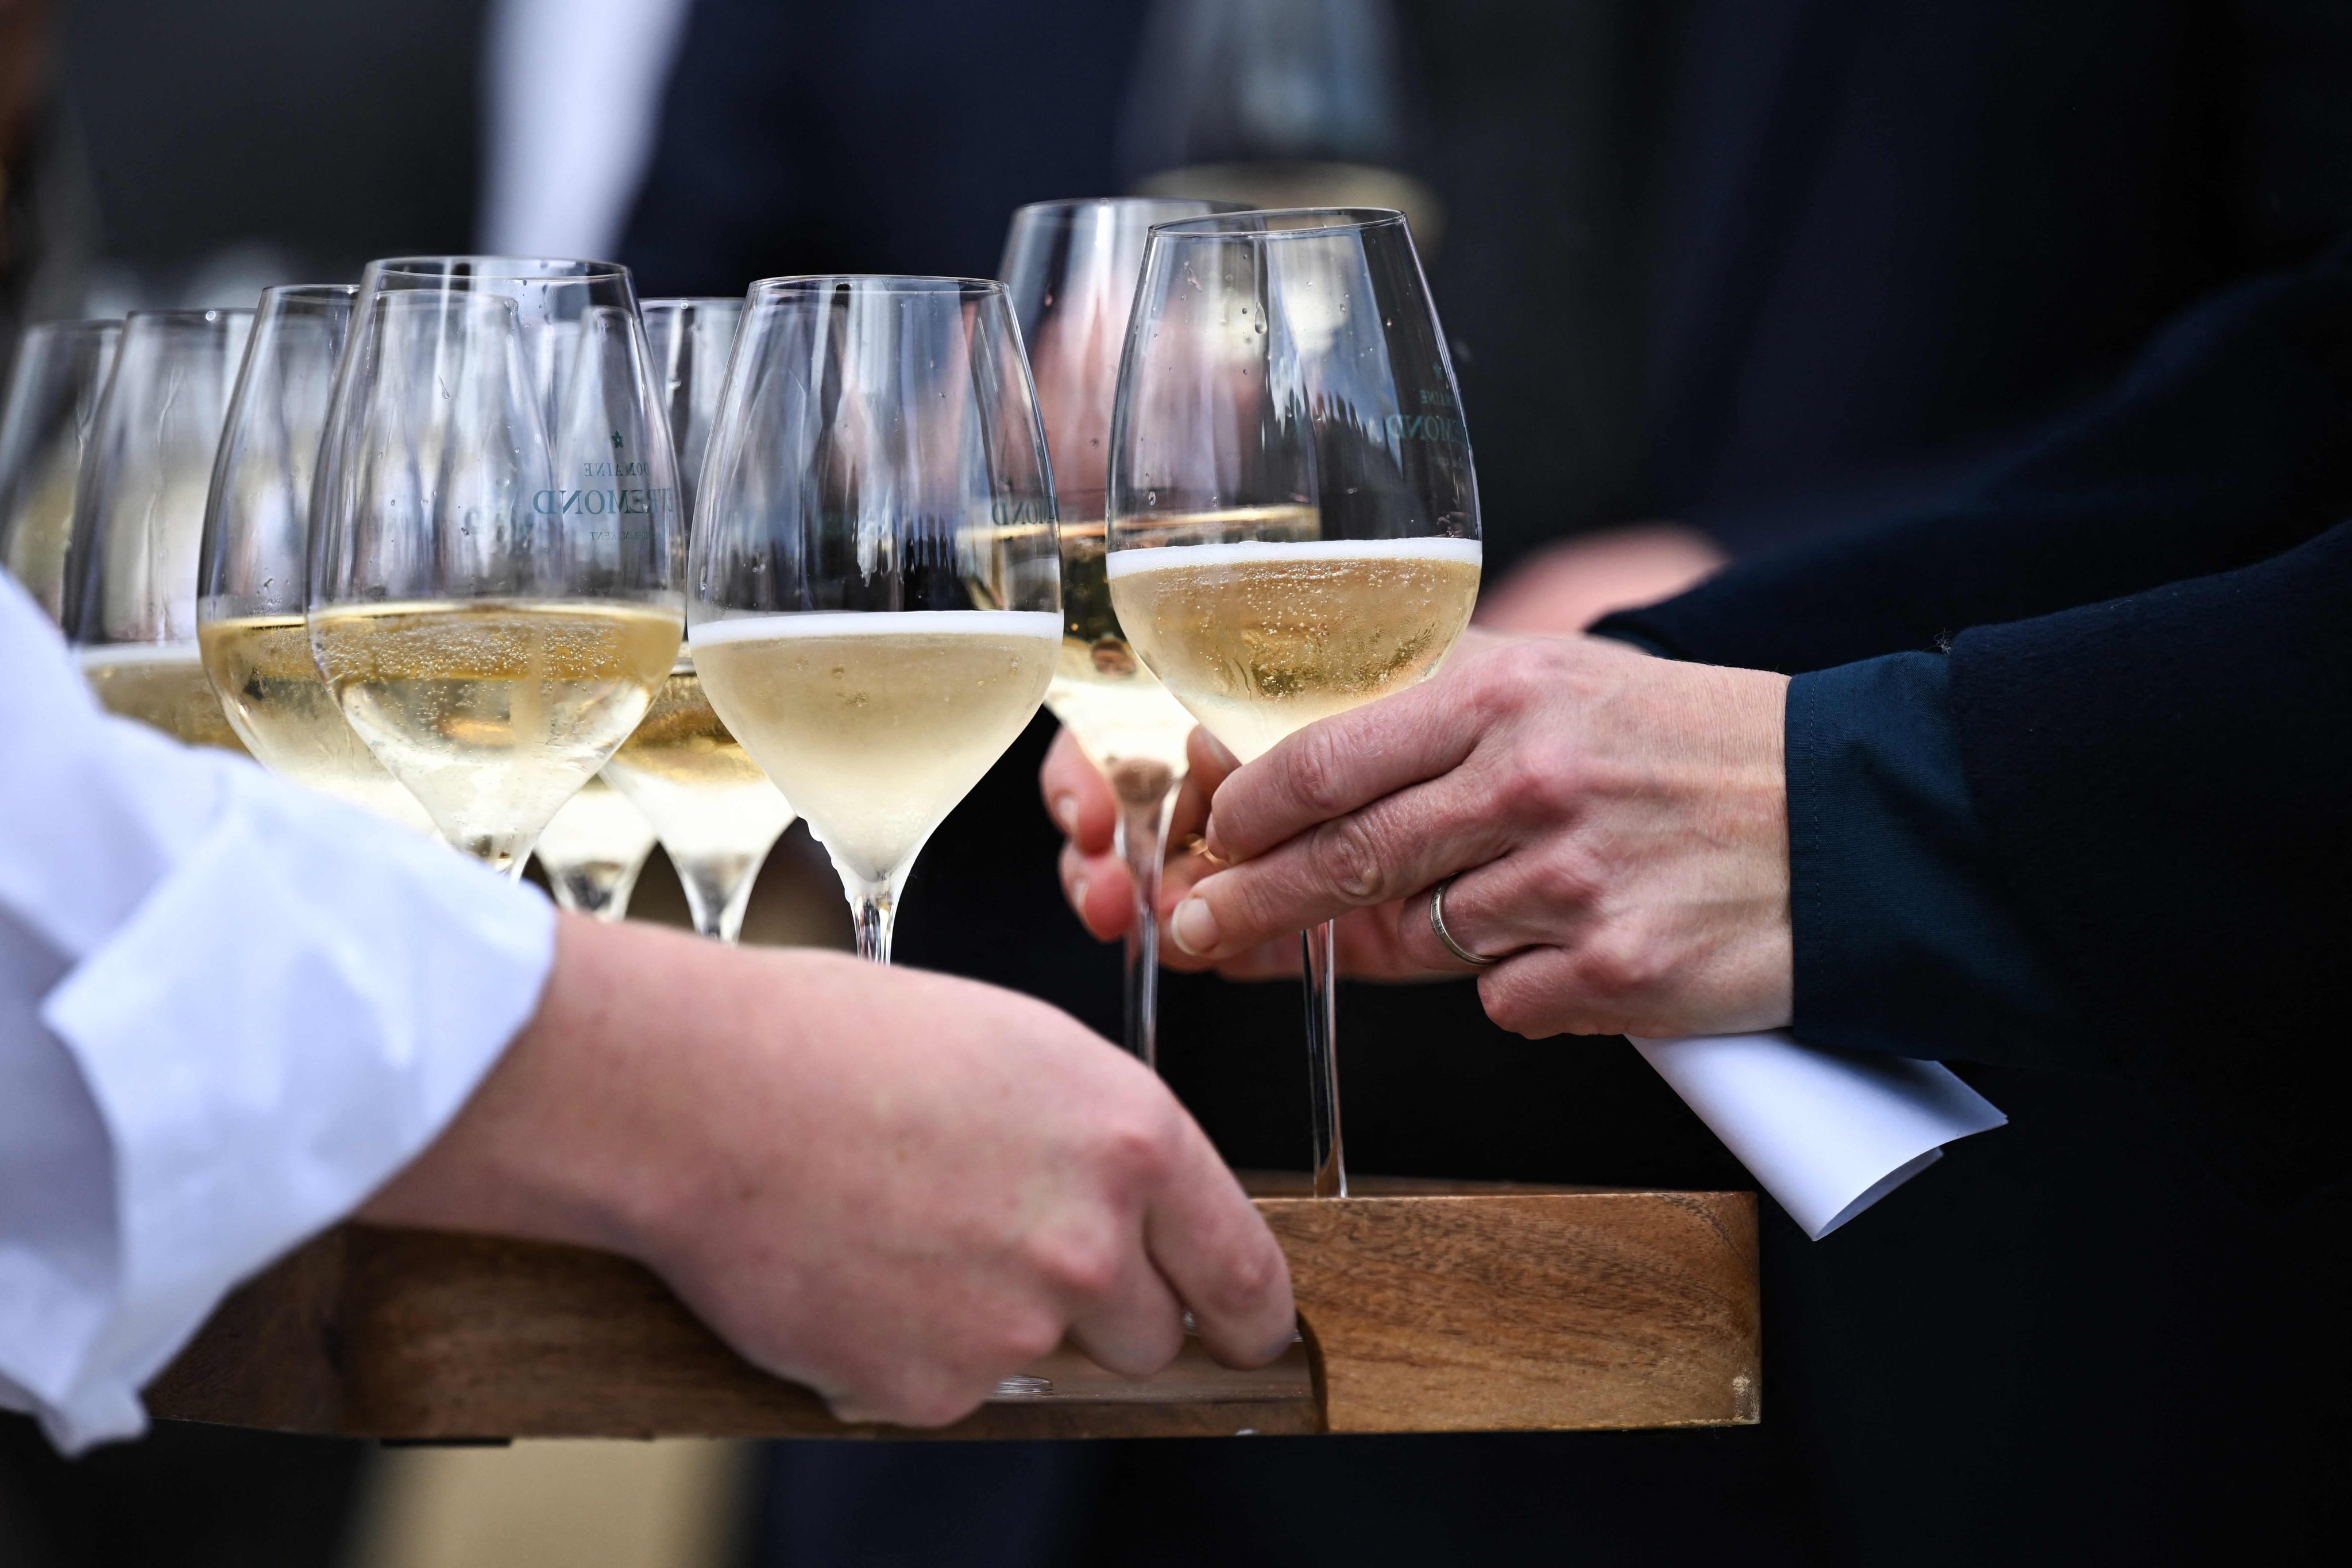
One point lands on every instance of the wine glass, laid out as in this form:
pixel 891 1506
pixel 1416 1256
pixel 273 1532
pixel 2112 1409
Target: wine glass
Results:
pixel 493 590
pixel 715 811
pixel 876 602
pixel 53 391
pixel 139 521
pixel 249 567
pixel 1070 268
pixel 593 850
pixel 1294 519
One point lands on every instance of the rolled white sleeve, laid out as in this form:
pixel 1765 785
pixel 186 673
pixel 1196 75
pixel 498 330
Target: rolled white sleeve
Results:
pixel 230 1010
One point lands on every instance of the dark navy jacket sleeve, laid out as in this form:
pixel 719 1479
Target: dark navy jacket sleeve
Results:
pixel 1907 941
pixel 2150 673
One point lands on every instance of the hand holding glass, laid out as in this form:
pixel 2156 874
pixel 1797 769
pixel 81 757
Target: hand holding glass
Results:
pixel 1293 520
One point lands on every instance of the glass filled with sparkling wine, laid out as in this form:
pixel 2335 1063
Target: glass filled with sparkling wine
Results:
pixel 1070 268
pixel 249 581
pixel 717 814
pixel 139 521
pixel 1293 517
pixel 875 601
pixel 61 368
pixel 496 541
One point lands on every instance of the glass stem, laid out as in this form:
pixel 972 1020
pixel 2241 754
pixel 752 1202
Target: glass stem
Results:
pixel 1143 845
pixel 716 894
pixel 1321 946
pixel 872 910
pixel 598 887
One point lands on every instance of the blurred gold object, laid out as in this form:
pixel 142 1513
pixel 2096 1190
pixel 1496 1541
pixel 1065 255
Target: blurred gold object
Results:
pixel 1273 185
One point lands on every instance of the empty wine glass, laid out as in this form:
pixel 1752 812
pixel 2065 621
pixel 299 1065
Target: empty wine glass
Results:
pixel 53 390
pixel 1294 518
pixel 876 602
pixel 1070 268
pixel 715 811
pixel 493 591
pixel 139 519
pixel 250 569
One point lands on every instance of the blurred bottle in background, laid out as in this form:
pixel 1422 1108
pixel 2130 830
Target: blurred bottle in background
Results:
pixel 1278 103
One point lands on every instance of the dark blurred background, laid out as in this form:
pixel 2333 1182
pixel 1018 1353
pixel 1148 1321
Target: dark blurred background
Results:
pixel 1764 267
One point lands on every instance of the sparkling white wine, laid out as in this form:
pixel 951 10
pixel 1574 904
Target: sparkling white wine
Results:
pixel 592 848
pixel 1123 718
pixel 875 725
pixel 702 792
pixel 1260 639
pixel 494 712
pixel 716 811
pixel 270 689
pixel 162 684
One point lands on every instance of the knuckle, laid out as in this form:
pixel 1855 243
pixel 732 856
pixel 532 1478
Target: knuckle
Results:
pixel 1137 1146
pixel 1510 674
pixel 1347 854
pixel 1617 966
pixel 1318 773
pixel 1029 1336
pixel 1515 1007
pixel 1073 1261
pixel 1537 784
pixel 1565 882
pixel 1246 1284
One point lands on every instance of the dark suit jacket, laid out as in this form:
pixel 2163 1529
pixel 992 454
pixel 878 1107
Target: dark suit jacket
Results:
pixel 2151 666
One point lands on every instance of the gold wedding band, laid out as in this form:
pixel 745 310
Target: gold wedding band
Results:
pixel 1438 927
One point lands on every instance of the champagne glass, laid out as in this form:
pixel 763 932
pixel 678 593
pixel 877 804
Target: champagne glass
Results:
pixel 1294 519
pixel 1071 268
pixel 250 569
pixel 715 811
pixel 876 602
pixel 593 850
pixel 139 521
pixel 493 590
pixel 53 391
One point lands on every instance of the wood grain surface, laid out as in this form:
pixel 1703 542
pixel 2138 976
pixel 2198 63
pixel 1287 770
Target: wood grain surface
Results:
pixel 1457 1308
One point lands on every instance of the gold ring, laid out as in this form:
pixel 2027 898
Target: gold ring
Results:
pixel 1438 927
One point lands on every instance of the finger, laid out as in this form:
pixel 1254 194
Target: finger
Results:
pixel 1390 850
pixel 1216 1254
pixel 1078 797
pixel 1211 762
pixel 1135 1327
pixel 1494 911
pixel 1340 764
pixel 1100 892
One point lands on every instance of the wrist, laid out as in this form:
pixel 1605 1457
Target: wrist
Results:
pixel 558 1143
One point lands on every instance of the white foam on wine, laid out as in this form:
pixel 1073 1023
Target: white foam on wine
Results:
pixel 102 655
pixel 1044 624
pixel 1274 553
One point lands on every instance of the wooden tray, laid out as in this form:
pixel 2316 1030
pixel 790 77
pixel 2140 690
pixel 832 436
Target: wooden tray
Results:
pixel 1425 1307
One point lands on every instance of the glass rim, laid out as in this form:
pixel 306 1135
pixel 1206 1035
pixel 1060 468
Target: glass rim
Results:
pixel 688 301
pixel 66 324
pixel 910 284
pixel 500 269
pixel 212 316
pixel 310 291
pixel 1339 220
pixel 1079 204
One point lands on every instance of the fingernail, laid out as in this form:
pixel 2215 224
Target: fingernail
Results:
pixel 1192 927
pixel 1065 812
pixel 1078 896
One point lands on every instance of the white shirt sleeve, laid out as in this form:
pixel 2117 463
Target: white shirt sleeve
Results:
pixel 230 1010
